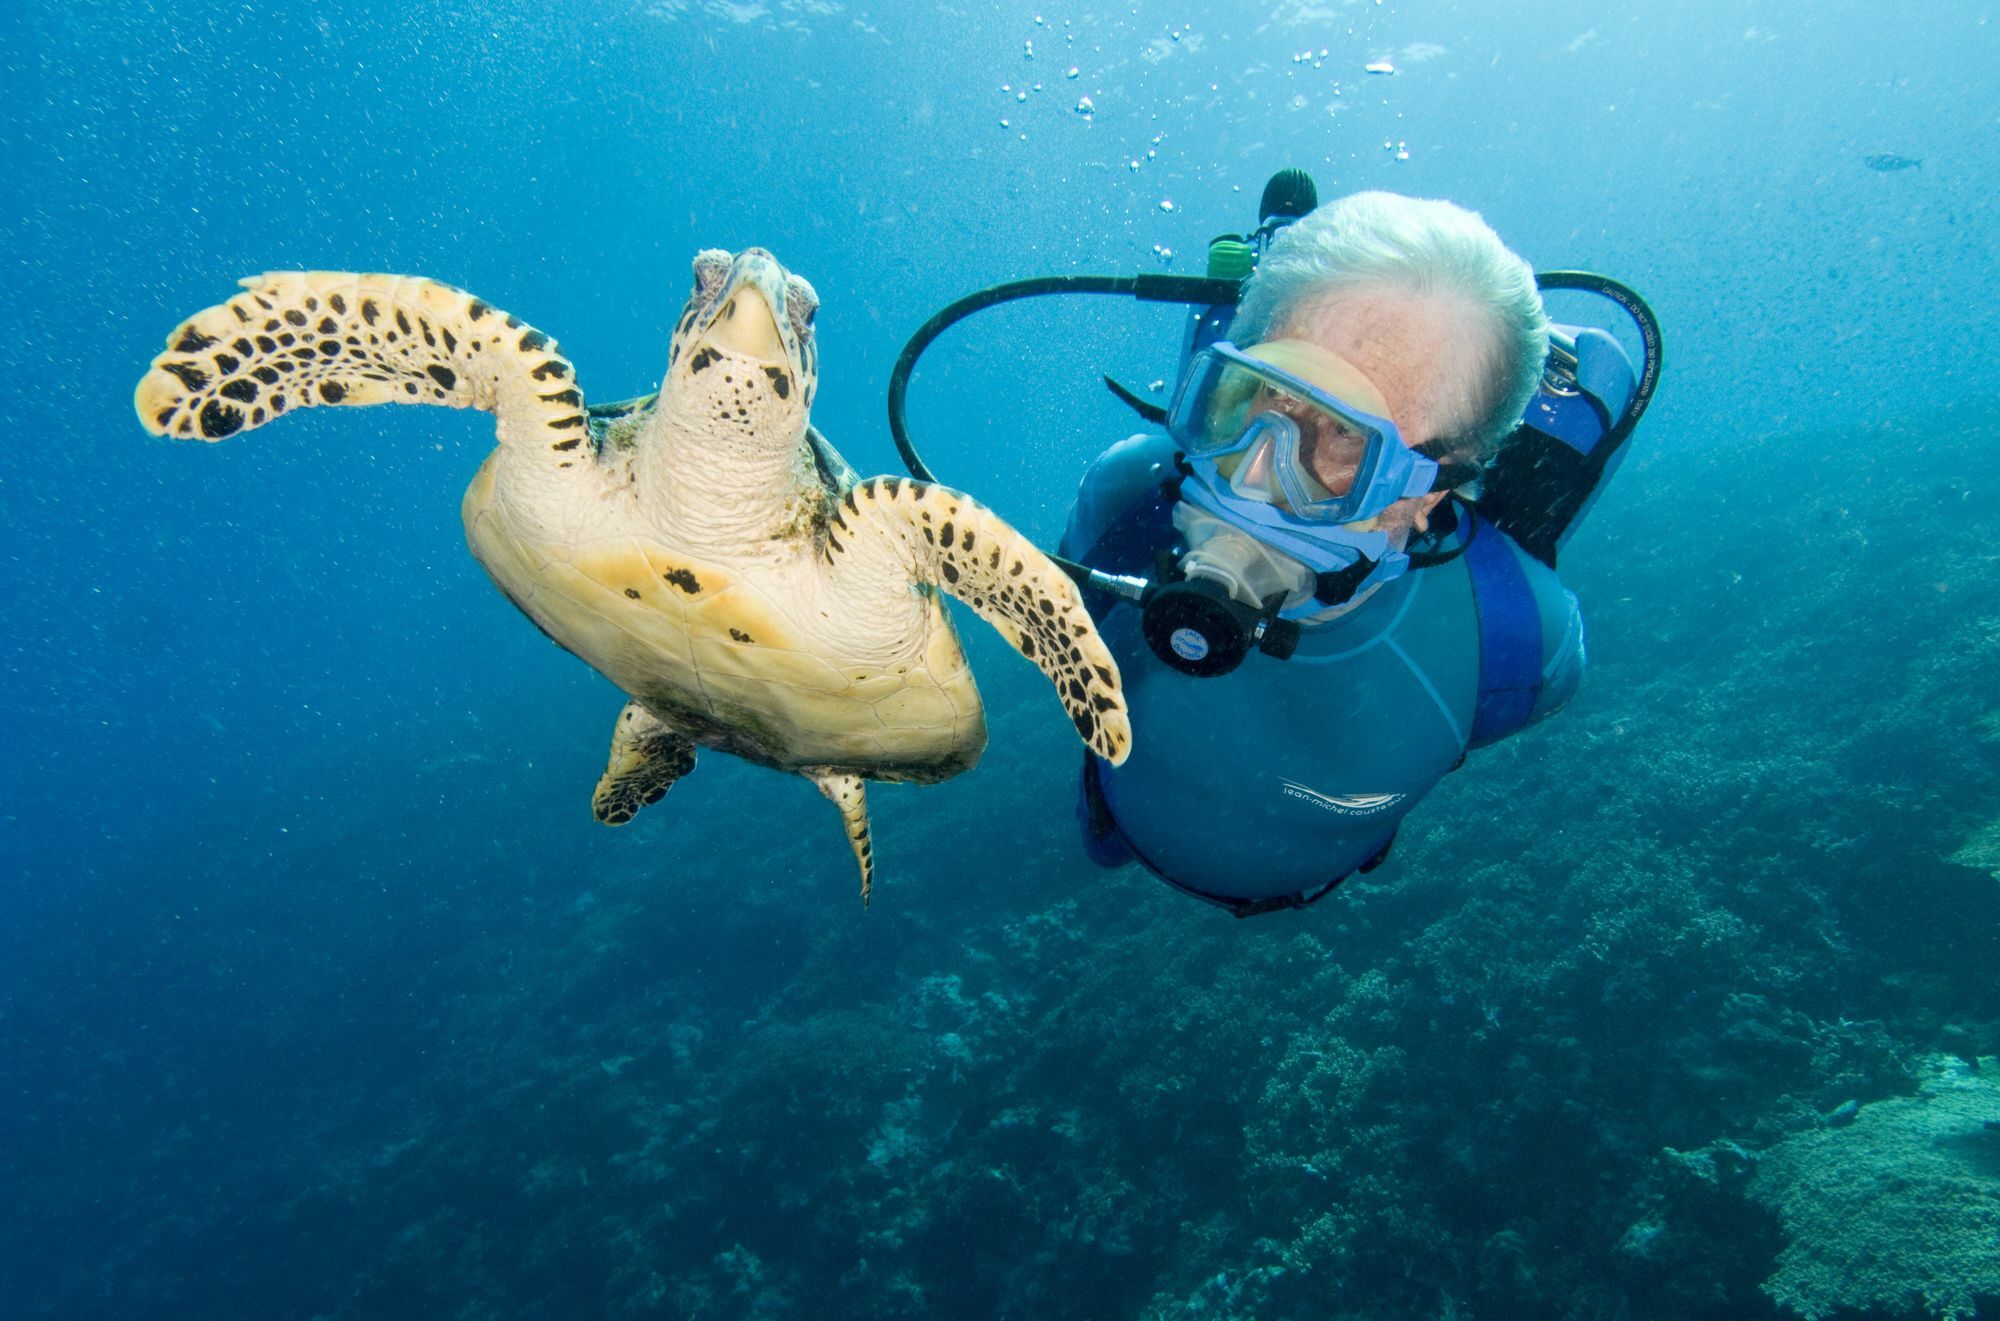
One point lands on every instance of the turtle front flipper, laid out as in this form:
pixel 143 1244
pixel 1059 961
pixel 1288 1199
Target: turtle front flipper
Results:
pixel 949 540
pixel 849 793
pixel 302 339
pixel 646 758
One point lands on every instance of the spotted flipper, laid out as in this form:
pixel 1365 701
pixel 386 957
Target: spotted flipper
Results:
pixel 849 793
pixel 951 541
pixel 646 758
pixel 302 339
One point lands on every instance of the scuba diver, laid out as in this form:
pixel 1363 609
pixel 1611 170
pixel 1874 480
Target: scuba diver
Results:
pixel 1329 572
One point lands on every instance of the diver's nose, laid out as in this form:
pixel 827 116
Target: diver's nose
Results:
pixel 1256 477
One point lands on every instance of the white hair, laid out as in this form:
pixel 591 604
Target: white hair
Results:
pixel 1418 246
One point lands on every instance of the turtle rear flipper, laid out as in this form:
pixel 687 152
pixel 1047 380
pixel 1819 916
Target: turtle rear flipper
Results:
pixel 949 540
pixel 647 757
pixel 849 793
pixel 303 339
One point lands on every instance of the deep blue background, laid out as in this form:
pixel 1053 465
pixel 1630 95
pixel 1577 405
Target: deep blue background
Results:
pixel 275 754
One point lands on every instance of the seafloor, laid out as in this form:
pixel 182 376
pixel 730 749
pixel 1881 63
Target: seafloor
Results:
pixel 1591 1046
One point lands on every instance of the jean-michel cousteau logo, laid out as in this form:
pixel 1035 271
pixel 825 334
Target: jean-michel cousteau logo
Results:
pixel 1345 804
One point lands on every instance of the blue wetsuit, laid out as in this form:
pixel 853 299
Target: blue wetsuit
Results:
pixel 1263 787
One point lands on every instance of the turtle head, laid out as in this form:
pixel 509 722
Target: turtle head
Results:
pixel 742 366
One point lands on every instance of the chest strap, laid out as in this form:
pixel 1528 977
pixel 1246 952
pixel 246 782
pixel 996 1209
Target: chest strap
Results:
pixel 1510 635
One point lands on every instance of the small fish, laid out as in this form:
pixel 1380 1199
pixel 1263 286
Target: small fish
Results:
pixel 1889 162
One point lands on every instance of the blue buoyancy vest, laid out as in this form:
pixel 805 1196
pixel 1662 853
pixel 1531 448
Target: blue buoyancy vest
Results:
pixel 1265 786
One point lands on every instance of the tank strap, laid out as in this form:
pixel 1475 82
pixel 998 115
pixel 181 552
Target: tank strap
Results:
pixel 1510 635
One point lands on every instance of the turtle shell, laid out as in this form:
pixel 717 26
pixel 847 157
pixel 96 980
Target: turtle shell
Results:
pixel 725 653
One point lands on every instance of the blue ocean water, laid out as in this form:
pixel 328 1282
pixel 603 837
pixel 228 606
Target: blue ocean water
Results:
pixel 321 994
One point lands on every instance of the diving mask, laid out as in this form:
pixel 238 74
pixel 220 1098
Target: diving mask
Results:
pixel 1270 432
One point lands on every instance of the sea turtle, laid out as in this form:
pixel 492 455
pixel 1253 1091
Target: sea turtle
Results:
pixel 703 547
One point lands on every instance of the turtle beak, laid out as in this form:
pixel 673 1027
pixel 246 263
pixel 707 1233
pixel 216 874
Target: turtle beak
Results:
pixel 748 317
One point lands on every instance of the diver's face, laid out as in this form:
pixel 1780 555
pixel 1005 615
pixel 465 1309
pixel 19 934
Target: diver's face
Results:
pixel 1415 354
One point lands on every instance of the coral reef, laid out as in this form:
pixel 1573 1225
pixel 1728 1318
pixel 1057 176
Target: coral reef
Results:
pixel 1897 1210
pixel 1578 1052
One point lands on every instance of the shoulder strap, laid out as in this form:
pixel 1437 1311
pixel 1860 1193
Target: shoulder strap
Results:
pixel 1510 634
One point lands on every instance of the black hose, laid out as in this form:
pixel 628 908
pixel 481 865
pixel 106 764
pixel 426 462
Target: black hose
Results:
pixel 1146 288
pixel 1649 336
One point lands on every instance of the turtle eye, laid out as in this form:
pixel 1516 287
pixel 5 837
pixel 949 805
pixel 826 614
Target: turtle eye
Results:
pixel 802 302
pixel 711 272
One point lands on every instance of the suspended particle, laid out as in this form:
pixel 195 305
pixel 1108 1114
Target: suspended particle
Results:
pixel 1020 96
pixel 1027 50
pixel 1166 204
pixel 1085 107
pixel 1383 67
pixel 1071 72
pixel 1134 164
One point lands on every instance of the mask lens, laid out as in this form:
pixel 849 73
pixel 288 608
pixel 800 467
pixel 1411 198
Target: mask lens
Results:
pixel 1225 399
pixel 1322 452
pixel 1217 408
pixel 1330 454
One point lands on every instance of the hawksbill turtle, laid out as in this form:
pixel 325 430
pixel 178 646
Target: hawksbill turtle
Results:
pixel 703 547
